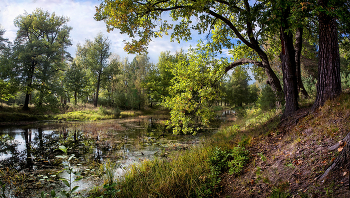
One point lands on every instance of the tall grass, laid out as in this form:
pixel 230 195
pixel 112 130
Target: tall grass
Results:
pixel 183 176
pixel 191 173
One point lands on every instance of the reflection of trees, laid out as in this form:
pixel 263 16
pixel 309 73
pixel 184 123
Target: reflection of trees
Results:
pixel 7 145
pixel 28 139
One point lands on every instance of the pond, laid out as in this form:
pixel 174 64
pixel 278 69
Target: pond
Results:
pixel 29 166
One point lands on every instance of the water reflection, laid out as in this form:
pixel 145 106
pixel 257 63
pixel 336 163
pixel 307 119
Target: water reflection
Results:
pixel 124 141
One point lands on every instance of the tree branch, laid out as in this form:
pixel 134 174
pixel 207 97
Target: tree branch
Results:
pixel 243 61
pixel 228 22
pixel 249 24
pixel 229 4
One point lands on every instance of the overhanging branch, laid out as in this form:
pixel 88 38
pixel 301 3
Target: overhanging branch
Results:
pixel 243 61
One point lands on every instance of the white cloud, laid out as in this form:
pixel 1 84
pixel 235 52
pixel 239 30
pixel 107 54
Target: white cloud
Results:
pixel 80 13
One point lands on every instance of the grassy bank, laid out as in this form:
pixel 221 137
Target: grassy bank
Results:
pixel 86 112
pixel 256 156
pixel 195 172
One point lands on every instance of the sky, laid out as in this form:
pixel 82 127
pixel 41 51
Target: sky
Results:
pixel 81 13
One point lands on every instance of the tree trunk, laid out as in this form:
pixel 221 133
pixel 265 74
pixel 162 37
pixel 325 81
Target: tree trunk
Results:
pixel 329 83
pixel 298 48
pixel 290 85
pixel 97 88
pixel 289 74
pixel 75 97
pixel 29 81
pixel 26 102
pixel 272 79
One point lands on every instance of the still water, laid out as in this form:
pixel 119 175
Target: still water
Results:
pixel 30 151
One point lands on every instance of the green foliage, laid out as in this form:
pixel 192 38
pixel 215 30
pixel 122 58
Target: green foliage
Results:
pixel 345 80
pixel 232 160
pixel 310 85
pixel 94 56
pixel 70 171
pixel 45 100
pixel 89 115
pixel 237 89
pixel 240 158
pixel 128 91
pixel 41 43
pixel 76 81
pixel 158 80
pixel 7 90
pixel 184 175
pixel 222 160
pixel 267 99
pixel 194 89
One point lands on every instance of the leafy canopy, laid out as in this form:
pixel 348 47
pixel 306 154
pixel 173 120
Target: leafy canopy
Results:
pixel 144 20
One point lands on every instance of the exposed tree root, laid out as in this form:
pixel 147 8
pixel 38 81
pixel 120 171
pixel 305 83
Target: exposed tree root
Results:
pixel 294 119
pixel 342 160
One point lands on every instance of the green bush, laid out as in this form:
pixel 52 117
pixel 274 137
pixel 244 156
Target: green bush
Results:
pixel 345 80
pixel 267 99
pixel 240 157
pixel 310 85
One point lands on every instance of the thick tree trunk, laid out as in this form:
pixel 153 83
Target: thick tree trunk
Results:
pixel 289 72
pixel 298 48
pixel 329 83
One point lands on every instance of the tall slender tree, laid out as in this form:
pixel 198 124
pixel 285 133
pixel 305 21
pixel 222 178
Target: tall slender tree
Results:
pixel 94 55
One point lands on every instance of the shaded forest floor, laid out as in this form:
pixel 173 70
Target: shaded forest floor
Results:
pixel 286 159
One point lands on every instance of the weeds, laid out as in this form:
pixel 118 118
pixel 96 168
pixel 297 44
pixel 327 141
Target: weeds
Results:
pixel 70 171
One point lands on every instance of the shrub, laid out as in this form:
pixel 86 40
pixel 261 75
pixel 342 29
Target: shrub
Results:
pixel 267 99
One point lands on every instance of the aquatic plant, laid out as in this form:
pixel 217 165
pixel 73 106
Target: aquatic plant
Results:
pixel 70 171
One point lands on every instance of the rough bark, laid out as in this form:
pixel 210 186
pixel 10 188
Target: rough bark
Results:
pixel 290 86
pixel 298 48
pixel 328 84
pixel 289 75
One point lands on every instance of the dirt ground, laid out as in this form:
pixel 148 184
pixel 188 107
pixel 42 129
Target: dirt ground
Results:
pixel 288 160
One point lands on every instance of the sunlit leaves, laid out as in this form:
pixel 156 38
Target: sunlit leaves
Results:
pixel 194 88
pixel 7 90
pixel 144 20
